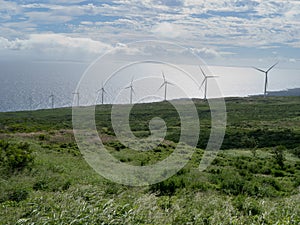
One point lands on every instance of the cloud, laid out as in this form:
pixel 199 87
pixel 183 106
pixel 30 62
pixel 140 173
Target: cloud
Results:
pixel 219 24
pixel 205 52
pixel 56 45
pixel 47 18
pixel 8 9
pixel 167 30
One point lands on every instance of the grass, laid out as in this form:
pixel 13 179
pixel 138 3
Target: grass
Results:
pixel 245 184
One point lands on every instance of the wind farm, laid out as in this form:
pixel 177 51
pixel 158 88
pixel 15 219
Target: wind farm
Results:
pixel 256 167
pixel 107 95
pixel 204 83
pixel 124 112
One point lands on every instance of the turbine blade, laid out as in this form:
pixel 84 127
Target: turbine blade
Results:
pixel 202 83
pixel 163 74
pixel 259 69
pixel 202 72
pixel 161 86
pixel 272 67
pixel 132 79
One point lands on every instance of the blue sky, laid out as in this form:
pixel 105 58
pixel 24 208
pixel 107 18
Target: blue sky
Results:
pixel 222 32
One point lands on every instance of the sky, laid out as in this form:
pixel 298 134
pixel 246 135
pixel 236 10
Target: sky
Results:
pixel 222 32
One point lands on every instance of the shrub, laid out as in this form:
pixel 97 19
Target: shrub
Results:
pixel 40 185
pixel 278 155
pixel 248 206
pixel 43 137
pixel 18 195
pixel 232 182
pixel 296 151
pixel 169 186
pixel 249 142
pixel 15 156
pixel 278 173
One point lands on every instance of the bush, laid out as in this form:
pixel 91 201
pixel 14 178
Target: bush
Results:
pixel 15 193
pixel 296 151
pixel 18 195
pixel 15 156
pixel 169 186
pixel 278 155
pixel 247 206
pixel 278 173
pixel 232 182
pixel 43 137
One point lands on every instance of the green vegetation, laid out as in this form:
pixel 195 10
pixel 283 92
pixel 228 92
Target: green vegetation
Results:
pixel 255 179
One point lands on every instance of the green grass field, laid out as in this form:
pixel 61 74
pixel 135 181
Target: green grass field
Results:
pixel 255 179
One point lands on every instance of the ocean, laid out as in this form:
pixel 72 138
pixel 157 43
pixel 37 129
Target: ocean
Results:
pixel 30 85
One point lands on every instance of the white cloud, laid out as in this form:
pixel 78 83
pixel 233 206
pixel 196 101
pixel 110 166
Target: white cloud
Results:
pixel 56 45
pixel 205 52
pixel 86 23
pixel 219 24
pixel 7 9
pixel 63 42
pixel 47 17
pixel 167 30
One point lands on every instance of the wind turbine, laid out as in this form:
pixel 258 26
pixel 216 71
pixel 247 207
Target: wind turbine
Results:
pixel 165 83
pixel 30 103
pixel 266 76
pixel 76 93
pixel 52 100
pixel 131 90
pixel 102 93
pixel 204 82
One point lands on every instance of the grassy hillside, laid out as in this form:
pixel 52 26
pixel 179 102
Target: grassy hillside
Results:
pixel 255 178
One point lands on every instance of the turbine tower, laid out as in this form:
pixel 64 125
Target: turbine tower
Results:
pixel 204 82
pixel 131 90
pixel 76 93
pixel 30 103
pixel 52 100
pixel 102 90
pixel 165 83
pixel 266 76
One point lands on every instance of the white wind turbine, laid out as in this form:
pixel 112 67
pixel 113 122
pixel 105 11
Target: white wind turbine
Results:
pixel 165 83
pixel 76 93
pixel 131 90
pixel 266 76
pixel 52 100
pixel 102 90
pixel 204 82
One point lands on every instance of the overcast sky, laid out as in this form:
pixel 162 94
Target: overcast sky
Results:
pixel 222 32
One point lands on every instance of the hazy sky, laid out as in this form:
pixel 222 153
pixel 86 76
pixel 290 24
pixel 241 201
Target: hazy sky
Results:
pixel 222 32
